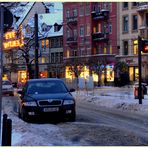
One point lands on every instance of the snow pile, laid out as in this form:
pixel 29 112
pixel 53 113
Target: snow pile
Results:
pixel 114 97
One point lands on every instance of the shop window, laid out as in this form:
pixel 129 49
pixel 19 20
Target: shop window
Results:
pixel 131 73
pixel 136 74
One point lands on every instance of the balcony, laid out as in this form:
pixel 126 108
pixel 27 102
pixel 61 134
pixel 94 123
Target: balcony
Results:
pixel 143 32
pixel 72 41
pixel 100 15
pixel 143 6
pixel 99 36
pixel 71 20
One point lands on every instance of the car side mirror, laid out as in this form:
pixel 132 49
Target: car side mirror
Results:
pixel 72 90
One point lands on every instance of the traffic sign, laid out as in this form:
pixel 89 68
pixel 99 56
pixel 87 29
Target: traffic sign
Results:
pixel 8 19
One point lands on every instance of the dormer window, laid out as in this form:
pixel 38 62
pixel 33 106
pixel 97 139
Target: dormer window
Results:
pixel 56 27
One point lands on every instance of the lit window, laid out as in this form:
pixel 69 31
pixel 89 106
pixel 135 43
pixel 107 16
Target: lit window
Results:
pixel 43 60
pixel 105 50
pixel 87 29
pixel 47 43
pixel 135 47
pixel 43 43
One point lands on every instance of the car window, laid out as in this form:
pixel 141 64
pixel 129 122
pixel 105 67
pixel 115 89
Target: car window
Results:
pixel 6 83
pixel 46 87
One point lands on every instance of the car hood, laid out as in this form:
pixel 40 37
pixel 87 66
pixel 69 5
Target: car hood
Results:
pixel 49 96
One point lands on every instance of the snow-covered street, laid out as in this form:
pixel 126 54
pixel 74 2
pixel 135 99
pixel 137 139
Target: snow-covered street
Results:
pixel 114 97
pixel 72 134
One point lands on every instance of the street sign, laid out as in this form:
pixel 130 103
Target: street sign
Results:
pixel 8 19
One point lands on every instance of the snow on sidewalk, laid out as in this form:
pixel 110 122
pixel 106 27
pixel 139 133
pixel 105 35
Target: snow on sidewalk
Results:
pixel 114 97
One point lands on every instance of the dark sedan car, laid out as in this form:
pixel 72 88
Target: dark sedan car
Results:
pixel 46 98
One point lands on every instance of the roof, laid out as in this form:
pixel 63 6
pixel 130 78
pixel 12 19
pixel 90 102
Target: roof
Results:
pixel 44 79
pixel 21 11
pixel 51 18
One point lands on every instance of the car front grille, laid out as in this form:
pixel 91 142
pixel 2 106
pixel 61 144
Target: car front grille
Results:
pixel 49 102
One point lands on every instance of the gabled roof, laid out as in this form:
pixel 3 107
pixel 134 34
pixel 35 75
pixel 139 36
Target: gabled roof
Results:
pixel 22 12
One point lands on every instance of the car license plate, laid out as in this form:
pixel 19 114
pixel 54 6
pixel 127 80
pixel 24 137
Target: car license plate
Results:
pixel 54 109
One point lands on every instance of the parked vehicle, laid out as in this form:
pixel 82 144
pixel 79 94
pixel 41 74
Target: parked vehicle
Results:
pixel 7 88
pixel 46 97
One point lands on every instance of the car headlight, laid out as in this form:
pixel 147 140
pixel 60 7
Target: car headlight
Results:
pixel 29 103
pixel 68 102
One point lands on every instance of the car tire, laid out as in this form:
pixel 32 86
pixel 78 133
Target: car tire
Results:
pixel 72 117
pixel 22 114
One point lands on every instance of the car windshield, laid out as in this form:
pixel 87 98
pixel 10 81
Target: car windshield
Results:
pixel 6 83
pixel 46 87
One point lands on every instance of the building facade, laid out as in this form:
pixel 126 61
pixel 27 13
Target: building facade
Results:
pixel 134 18
pixel 90 34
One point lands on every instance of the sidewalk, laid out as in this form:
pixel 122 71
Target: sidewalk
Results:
pixel 114 97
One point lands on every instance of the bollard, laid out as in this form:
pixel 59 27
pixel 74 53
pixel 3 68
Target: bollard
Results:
pixel 4 136
pixel 9 132
pixel 6 131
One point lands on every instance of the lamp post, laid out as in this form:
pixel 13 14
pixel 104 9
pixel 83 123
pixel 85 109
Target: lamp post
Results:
pixel 1 57
pixel 36 47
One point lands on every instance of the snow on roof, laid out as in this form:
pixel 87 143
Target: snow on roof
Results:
pixel 51 18
pixel 21 11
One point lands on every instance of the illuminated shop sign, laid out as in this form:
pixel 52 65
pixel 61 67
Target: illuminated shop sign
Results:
pixel 11 40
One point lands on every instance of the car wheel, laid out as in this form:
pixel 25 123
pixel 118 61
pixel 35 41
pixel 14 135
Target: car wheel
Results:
pixel 72 117
pixel 22 114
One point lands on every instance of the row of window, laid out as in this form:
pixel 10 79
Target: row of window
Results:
pixel 85 9
pixel 86 30
pixel 134 47
pixel 56 57
pixel 52 43
pixel 126 23
pixel 125 5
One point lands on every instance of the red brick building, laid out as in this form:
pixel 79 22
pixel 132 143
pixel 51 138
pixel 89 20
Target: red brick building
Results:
pixel 90 34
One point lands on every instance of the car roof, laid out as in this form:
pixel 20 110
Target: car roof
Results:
pixel 44 79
